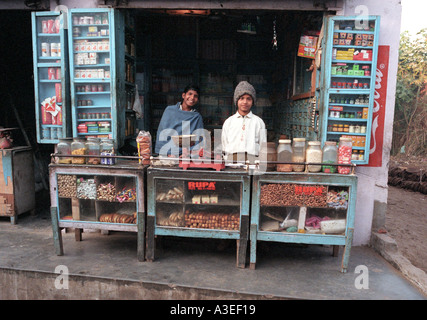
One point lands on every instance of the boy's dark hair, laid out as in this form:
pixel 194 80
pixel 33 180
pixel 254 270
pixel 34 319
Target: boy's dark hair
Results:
pixel 191 87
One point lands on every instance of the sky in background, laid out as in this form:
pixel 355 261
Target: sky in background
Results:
pixel 413 15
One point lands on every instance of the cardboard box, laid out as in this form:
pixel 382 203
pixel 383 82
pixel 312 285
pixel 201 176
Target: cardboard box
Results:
pixel 307 47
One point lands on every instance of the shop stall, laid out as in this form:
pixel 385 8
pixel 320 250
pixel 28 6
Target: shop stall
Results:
pixel 198 204
pixel 103 197
pixel 302 96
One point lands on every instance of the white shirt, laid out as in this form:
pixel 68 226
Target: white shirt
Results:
pixel 243 134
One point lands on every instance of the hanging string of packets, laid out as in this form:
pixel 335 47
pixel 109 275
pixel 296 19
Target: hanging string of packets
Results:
pixel 274 35
pixel 126 195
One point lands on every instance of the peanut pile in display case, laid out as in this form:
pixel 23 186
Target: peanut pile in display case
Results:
pixel 224 221
pixel 277 194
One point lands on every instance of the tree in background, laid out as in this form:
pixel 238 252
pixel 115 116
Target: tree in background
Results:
pixel 410 118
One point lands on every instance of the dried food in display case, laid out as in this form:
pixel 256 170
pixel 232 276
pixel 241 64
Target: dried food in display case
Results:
pixel 200 204
pixel 98 197
pixel 305 208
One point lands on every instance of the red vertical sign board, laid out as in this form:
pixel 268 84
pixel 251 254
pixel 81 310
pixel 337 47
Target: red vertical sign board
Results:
pixel 378 115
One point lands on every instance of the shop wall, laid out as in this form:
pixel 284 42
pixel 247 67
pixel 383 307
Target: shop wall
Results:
pixel 372 186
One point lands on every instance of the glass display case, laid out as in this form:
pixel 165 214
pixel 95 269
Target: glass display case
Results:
pixel 201 204
pixel 350 61
pixel 98 197
pixel 303 208
pixel 51 76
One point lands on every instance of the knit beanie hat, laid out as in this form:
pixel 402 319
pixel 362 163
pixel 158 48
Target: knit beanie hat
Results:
pixel 242 88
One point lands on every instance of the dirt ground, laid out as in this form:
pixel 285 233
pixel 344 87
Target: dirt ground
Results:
pixel 406 219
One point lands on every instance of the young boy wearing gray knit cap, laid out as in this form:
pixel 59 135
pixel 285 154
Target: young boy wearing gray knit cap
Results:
pixel 243 134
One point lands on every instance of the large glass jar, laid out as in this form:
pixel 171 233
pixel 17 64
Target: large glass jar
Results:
pixel 284 154
pixel 93 149
pixel 64 149
pixel 78 147
pixel 344 154
pixel 298 154
pixel 107 149
pixel 314 155
pixel 330 155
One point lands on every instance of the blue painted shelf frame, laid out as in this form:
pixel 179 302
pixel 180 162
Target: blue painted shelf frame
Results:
pixel 237 182
pixel 97 73
pixel 343 28
pixel 304 179
pixel 51 74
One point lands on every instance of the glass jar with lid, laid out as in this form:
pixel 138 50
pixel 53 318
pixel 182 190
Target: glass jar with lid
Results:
pixel 298 154
pixel 344 154
pixel 346 128
pixel 78 147
pixel 284 154
pixel 107 149
pixel 64 149
pixel 330 155
pixel 93 149
pixel 314 155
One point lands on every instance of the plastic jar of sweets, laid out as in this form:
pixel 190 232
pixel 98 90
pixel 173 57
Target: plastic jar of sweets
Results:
pixel 298 154
pixel 330 155
pixel 107 149
pixel 284 154
pixel 78 147
pixel 314 155
pixel 344 154
pixel 93 149
pixel 64 149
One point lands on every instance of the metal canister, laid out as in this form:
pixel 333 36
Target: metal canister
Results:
pixel 54 49
pixel 45 49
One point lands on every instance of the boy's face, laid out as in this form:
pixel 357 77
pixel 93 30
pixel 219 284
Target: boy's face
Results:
pixel 244 104
pixel 190 98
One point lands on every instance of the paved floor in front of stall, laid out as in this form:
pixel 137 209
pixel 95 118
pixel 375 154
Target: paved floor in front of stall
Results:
pixel 203 266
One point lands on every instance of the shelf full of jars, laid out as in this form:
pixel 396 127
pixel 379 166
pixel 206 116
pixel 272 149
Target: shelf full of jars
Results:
pixel 97 73
pixel 198 204
pixel 51 76
pixel 349 82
